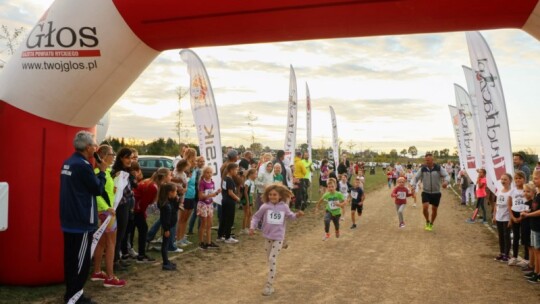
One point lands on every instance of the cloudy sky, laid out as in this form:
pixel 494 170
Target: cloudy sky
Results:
pixel 388 92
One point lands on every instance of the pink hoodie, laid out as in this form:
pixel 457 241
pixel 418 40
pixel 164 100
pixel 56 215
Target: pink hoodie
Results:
pixel 273 218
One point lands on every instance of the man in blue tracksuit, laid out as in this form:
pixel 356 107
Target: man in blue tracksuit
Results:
pixel 79 187
pixel 431 175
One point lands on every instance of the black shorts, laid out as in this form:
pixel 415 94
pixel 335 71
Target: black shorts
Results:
pixel 431 198
pixel 322 183
pixel 357 207
pixel 189 203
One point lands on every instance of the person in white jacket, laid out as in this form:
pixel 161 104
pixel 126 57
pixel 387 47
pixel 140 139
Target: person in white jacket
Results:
pixel 264 178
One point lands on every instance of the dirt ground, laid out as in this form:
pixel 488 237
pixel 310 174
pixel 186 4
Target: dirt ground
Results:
pixel 376 263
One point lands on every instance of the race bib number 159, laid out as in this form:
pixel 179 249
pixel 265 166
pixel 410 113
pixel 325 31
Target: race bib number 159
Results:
pixel 275 217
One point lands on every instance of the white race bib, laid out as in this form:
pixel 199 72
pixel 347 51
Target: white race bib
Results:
pixel 224 185
pixel 275 217
pixel 401 195
pixel 208 191
pixel 333 205
pixel 354 194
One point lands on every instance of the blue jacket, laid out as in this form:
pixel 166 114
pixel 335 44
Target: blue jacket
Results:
pixel 79 186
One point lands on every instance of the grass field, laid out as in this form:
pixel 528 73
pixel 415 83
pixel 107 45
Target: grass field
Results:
pixel 19 294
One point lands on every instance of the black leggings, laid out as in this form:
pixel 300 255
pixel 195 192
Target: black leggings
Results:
pixel 142 227
pixel 227 219
pixel 516 230
pixel 328 217
pixel 122 217
pixel 504 237
pixel 164 249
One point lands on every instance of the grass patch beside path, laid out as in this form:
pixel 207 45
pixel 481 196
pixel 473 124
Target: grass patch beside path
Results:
pixel 53 293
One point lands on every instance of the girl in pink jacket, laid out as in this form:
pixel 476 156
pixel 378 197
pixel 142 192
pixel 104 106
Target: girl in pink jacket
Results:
pixel 273 214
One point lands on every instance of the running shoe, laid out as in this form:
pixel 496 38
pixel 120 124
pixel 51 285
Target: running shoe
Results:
pixel 326 236
pixel 353 226
pixel 470 221
pixel 159 240
pixel 114 282
pixel 182 243
pixel 145 259
pixel 177 250
pixel 401 225
pixel 267 290
pixel 522 263
pixel 220 239
pixel 99 276
pixel 203 246
pixel 132 253
pixel 427 227
pixel 168 267
pixel 337 234
pixel 231 240
pixel 212 245
pixel 529 275
pixel 512 262
pixel 499 258
pixel 534 280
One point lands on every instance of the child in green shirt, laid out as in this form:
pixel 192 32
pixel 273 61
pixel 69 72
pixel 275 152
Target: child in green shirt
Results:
pixel 334 201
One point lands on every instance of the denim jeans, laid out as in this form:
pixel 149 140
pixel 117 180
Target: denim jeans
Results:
pixel 153 230
pixel 172 238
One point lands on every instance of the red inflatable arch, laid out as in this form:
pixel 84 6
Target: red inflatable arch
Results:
pixel 82 55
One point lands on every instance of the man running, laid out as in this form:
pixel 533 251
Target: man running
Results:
pixel 431 175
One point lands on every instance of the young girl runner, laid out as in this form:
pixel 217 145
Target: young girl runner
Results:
pixel 107 242
pixel 400 194
pixel 357 200
pixel 528 263
pixel 205 208
pixel 228 204
pixel 480 196
pixel 501 217
pixel 273 215
pixel 323 178
pixel 516 205
pixel 534 217
pixel 334 201
pixel 247 200
pixel 168 215
pixel 345 189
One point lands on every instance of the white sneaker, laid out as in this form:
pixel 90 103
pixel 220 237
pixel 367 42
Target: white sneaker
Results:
pixel 178 250
pixel 221 239
pixel 267 290
pixel 159 240
pixel 231 240
pixel 522 262
pixel 133 253
pixel 512 262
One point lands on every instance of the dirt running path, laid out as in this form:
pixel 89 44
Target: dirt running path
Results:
pixel 377 263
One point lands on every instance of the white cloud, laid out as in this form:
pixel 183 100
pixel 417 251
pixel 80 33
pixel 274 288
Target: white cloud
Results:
pixel 387 91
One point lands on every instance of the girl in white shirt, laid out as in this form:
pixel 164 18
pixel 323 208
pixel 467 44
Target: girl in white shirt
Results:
pixel 501 217
pixel 516 204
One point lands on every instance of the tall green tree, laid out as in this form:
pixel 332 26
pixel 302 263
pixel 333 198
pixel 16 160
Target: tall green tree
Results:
pixel 413 151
